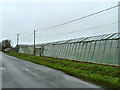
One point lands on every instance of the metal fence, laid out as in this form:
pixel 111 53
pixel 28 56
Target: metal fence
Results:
pixel 100 49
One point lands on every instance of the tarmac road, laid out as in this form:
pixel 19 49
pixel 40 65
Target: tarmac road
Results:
pixel 17 73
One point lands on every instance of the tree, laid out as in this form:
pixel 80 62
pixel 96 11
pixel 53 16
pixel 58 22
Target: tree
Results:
pixel 5 44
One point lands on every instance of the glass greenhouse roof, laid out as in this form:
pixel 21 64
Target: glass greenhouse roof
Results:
pixel 77 40
pixel 115 36
pixel 100 37
pixel 86 39
pixel 64 41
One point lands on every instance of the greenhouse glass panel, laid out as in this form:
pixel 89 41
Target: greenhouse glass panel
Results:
pixel 94 38
pixel 88 39
pixel 110 35
pixel 60 47
pixel 76 40
pixel 86 43
pixel 63 46
pixel 94 51
pixel 115 36
pixel 67 50
pixel 37 51
pixel 29 50
pixel 87 51
pixel 67 45
pixel 52 54
pixel 95 55
pixel 101 50
pixel 79 51
pixel 91 51
pixel 25 50
pixel 50 50
pixel 102 37
pixel 98 38
pixel 105 36
pixel 116 58
pixel 63 50
pixel 106 52
pixel 58 51
pixel 45 51
pixel 83 51
pixel 74 52
pixel 70 51
pixel 57 48
pixel 116 55
pixel 80 54
pixel 41 51
pixel 113 52
pixel 54 50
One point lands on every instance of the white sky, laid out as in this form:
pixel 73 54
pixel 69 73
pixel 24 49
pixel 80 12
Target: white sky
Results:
pixel 23 17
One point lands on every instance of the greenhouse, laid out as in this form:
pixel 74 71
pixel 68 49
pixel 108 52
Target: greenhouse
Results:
pixel 98 49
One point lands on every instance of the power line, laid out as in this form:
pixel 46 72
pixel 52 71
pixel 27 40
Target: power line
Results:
pixel 79 18
pixel 26 35
pixel 75 21
pixel 83 29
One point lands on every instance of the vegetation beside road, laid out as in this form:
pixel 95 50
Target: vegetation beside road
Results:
pixel 105 76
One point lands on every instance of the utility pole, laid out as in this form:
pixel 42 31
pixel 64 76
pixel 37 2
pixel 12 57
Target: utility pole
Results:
pixel 17 39
pixel 34 43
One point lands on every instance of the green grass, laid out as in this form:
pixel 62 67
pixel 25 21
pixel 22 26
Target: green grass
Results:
pixel 105 76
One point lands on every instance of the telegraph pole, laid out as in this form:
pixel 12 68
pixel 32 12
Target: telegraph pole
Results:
pixel 17 39
pixel 34 43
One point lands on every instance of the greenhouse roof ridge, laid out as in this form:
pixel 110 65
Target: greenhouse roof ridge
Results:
pixel 82 39
pixel 92 38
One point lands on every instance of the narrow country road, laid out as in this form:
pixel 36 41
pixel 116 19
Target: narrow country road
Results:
pixel 17 73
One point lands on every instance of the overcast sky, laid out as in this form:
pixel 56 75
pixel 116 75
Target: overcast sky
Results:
pixel 23 17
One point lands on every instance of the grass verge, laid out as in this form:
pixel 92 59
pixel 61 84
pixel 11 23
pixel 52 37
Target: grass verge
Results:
pixel 105 76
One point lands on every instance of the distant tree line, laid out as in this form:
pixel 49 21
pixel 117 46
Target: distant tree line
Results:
pixel 5 44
